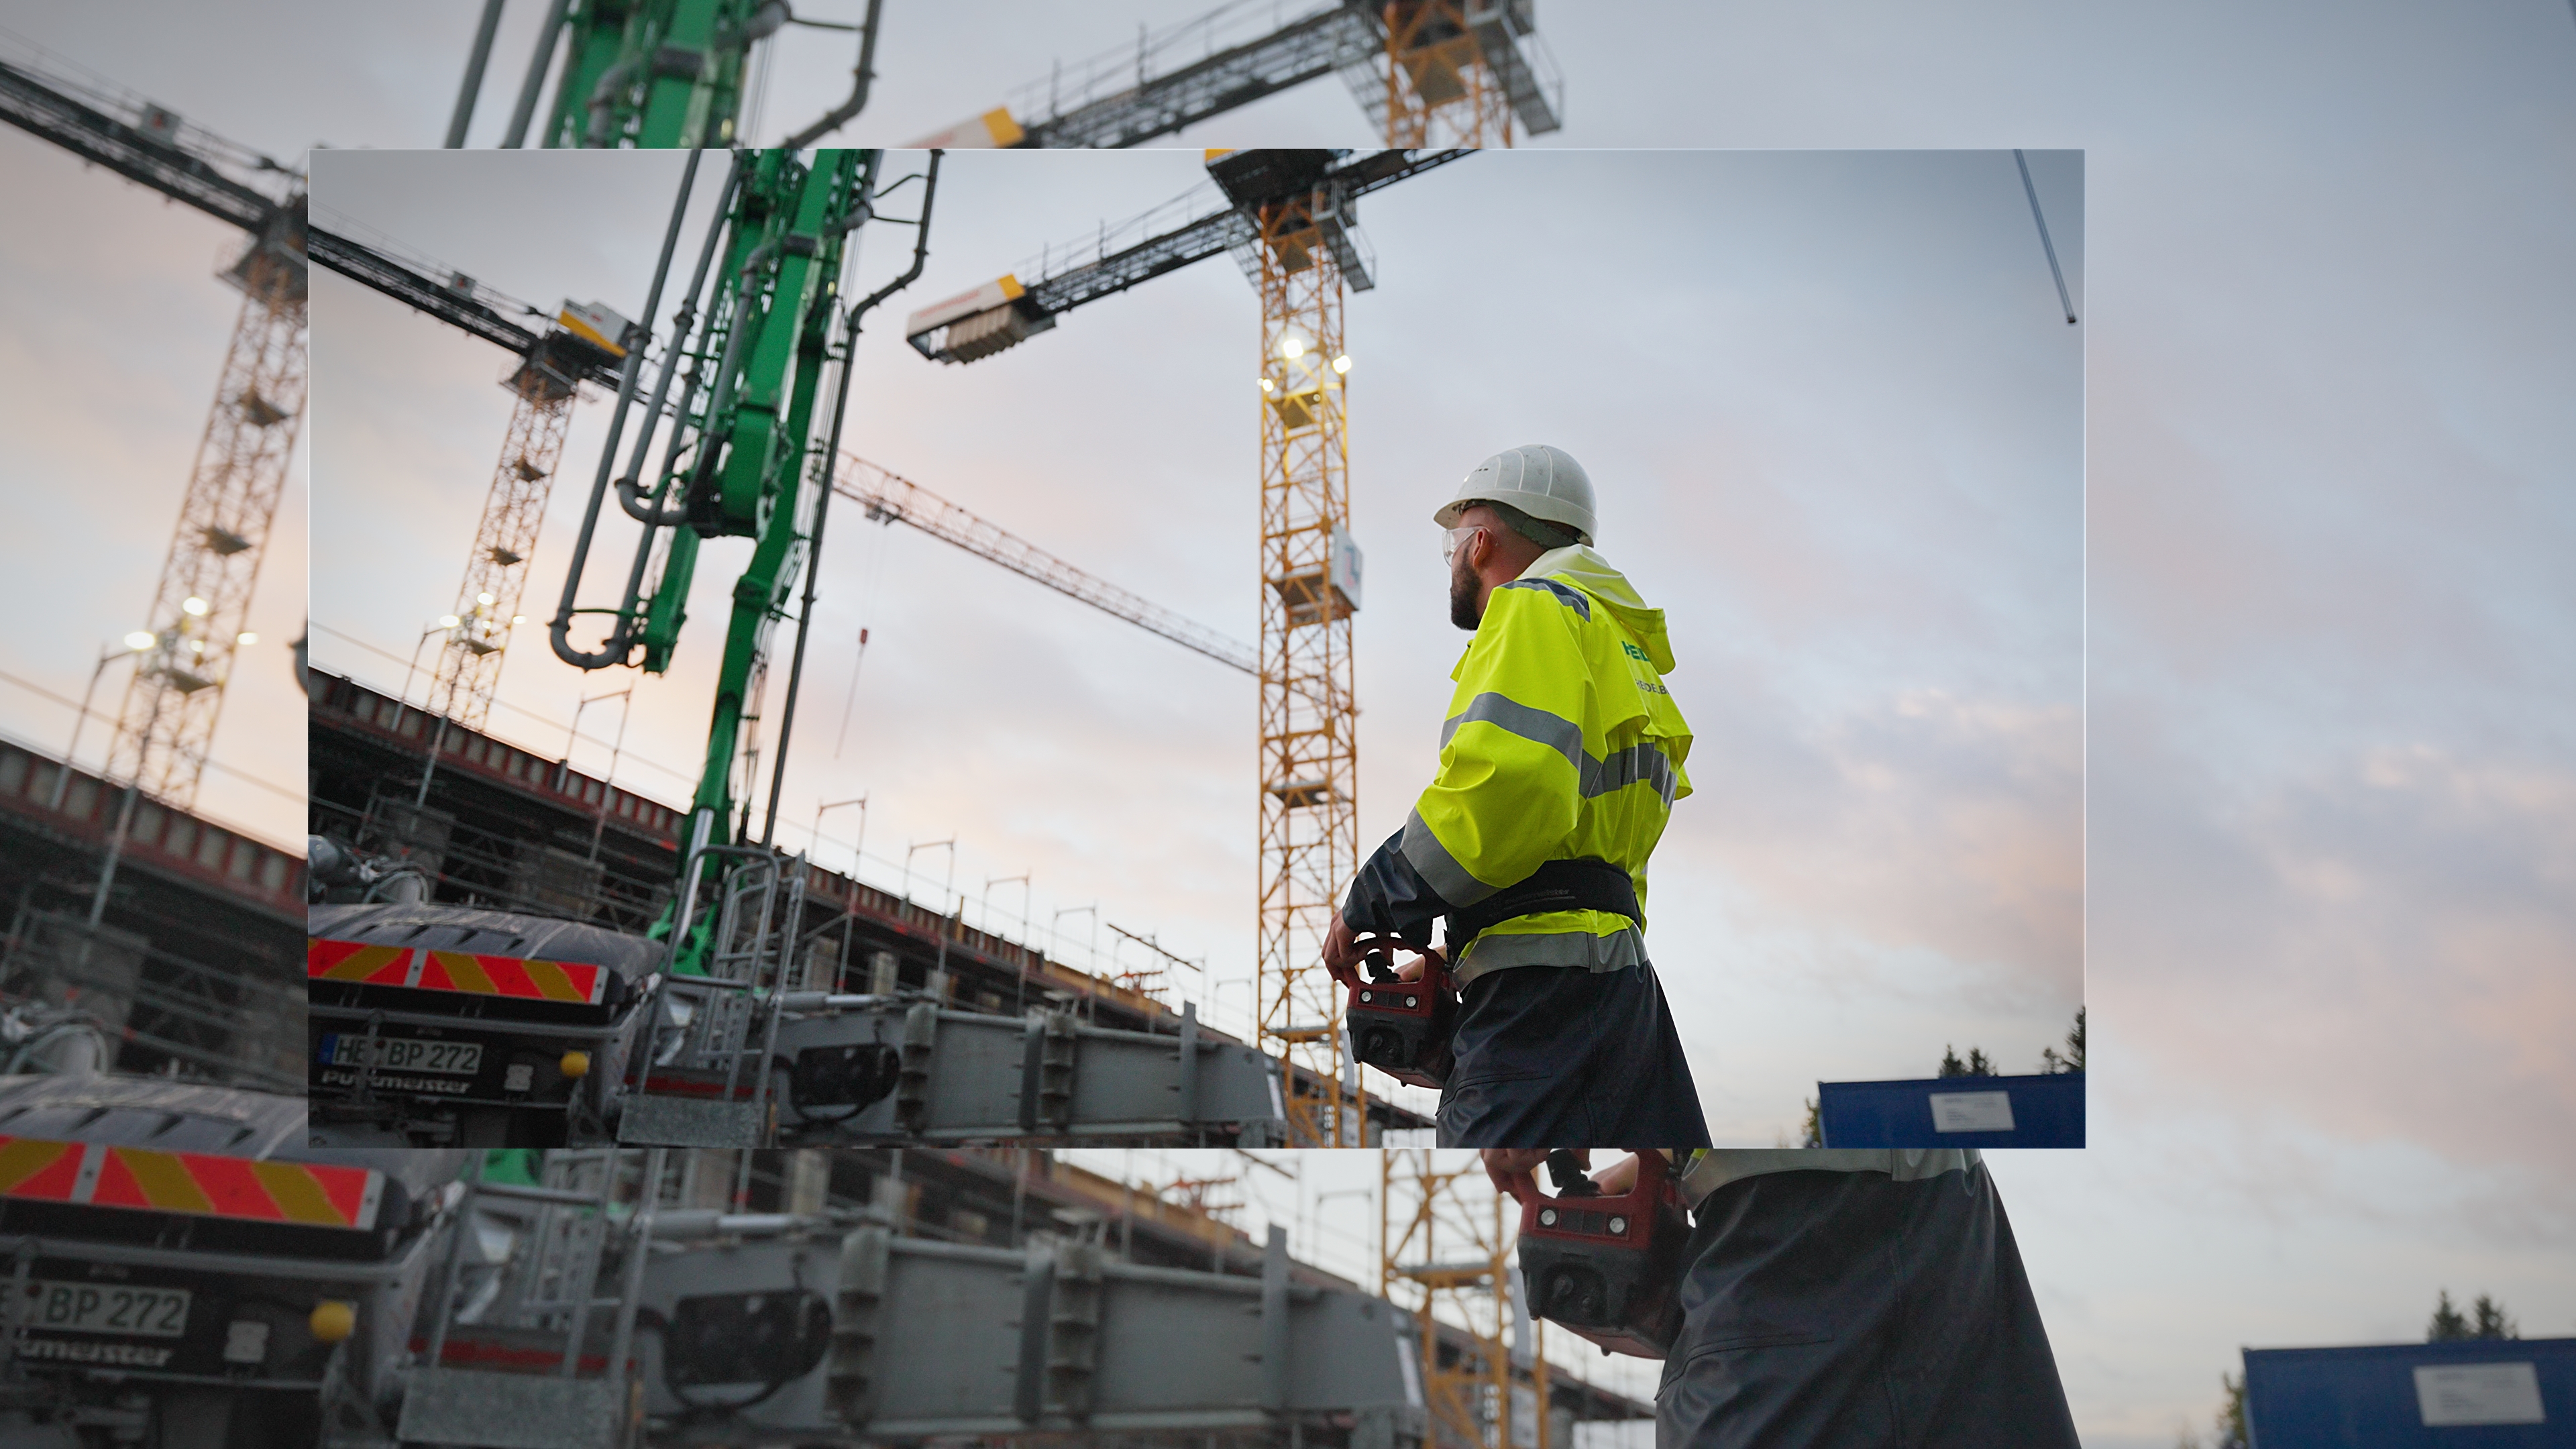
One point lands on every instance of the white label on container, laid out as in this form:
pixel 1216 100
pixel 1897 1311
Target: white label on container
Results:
pixel 2478 1393
pixel 1972 1112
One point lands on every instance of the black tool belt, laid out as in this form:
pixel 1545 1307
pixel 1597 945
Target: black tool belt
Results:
pixel 1559 885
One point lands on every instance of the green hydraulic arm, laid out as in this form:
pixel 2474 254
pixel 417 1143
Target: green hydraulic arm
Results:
pixel 745 474
pixel 656 72
pixel 742 459
pixel 660 73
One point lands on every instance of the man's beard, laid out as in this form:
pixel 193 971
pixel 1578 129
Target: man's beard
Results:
pixel 1463 588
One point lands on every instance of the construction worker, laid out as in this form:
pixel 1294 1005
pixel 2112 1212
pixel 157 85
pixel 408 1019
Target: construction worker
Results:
pixel 1845 1297
pixel 1559 764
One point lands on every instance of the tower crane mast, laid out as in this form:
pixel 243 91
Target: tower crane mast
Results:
pixel 542 387
pixel 584 344
pixel 170 711
pixel 1446 1257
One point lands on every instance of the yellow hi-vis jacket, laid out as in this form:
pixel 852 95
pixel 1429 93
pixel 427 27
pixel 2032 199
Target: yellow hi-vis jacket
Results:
pixel 1562 743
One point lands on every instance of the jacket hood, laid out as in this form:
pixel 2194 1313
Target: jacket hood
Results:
pixel 1587 570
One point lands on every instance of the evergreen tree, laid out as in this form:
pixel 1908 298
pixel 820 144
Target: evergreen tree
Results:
pixel 2231 1415
pixel 2228 1424
pixel 1977 1064
pixel 2488 1320
pixel 2447 1325
pixel 2050 1063
pixel 1813 1133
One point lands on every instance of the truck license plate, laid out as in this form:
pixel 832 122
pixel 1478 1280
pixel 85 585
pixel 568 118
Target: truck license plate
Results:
pixel 107 1308
pixel 405 1054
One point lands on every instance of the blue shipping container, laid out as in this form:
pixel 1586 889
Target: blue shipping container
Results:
pixel 2039 1111
pixel 2481 1394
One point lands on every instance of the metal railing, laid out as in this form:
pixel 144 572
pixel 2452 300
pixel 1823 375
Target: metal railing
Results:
pixel 537 1310
pixel 702 1077
pixel 471 866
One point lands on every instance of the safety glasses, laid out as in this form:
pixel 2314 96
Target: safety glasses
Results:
pixel 1450 540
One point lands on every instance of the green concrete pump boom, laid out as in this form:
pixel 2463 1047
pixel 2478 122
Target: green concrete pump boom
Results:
pixel 742 460
pixel 660 73
pixel 657 73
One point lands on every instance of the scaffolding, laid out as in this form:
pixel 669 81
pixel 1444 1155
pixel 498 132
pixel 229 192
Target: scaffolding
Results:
pixel 1309 842
pixel 1447 1255
pixel 159 1011
pixel 487 602
pixel 167 723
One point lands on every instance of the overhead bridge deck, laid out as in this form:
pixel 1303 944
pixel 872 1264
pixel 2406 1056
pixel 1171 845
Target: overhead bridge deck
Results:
pixel 190 968
pixel 511 829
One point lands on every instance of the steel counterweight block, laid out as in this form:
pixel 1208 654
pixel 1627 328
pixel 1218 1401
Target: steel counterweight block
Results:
pixel 825 1334
pixel 872 1069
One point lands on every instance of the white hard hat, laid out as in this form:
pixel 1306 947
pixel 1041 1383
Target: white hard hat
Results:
pixel 1540 481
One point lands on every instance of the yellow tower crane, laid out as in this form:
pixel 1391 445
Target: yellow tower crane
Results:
pixel 1286 215
pixel 1442 76
pixel 166 723
pixel 1427 72
pixel 1461 74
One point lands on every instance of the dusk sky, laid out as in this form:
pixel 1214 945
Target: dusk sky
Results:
pixel 2329 783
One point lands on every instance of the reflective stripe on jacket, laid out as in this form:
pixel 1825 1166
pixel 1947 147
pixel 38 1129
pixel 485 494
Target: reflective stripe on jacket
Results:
pixel 1709 1168
pixel 1562 742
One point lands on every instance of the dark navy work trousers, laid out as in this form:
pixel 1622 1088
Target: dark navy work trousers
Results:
pixel 1846 1310
pixel 1561 1057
